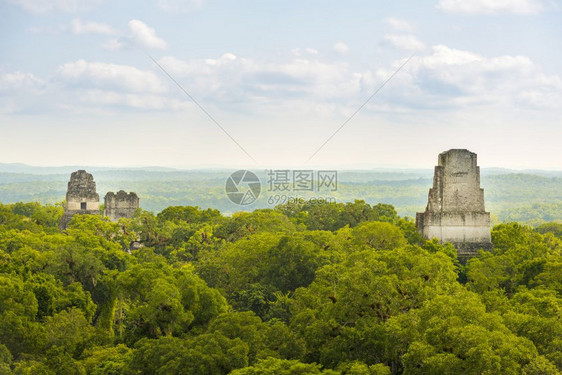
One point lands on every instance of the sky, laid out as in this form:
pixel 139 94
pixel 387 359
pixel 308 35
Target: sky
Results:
pixel 254 83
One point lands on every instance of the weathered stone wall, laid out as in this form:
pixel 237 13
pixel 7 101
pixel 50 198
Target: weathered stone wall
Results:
pixel 81 197
pixel 120 205
pixel 455 210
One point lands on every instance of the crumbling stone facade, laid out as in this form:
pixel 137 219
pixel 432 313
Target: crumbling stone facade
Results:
pixel 120 205
pixel 81 197
pixel 455 210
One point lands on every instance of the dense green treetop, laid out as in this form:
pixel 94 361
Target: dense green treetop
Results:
pixel 300 289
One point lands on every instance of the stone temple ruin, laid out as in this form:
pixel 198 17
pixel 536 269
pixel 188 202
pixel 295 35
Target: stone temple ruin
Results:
pixel 455 210
pixel 82 198
pixel 117 206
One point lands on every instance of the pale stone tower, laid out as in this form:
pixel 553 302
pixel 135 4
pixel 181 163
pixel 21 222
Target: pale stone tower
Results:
pixel 120 205
pixel 81 197
pixel 455 209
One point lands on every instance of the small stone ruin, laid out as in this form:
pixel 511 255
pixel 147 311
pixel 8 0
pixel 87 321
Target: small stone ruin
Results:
pixel 120 205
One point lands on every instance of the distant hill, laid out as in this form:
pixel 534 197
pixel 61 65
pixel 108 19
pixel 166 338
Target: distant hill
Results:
pixel 530 197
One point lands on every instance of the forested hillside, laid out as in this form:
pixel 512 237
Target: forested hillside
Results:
pixel 533 197
pixel 300 289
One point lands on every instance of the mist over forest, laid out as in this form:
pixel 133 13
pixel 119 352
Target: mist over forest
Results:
pixel 531 197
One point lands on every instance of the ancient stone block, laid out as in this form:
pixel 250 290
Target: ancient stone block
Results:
pixel 81 197
pixel 120 205
pixel 455 210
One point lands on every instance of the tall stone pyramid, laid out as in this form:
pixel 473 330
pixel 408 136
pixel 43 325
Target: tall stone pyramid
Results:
pixel 455 209
pixel 81 197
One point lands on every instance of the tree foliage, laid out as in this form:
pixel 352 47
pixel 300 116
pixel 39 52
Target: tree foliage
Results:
pixel 301 289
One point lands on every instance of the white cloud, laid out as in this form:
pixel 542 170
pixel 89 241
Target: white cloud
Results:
pixel 113 44
pixel 491 6
pixel 180 6
pixel 145 36
pixel 304 51
pixel 88 27
pixel 139 34
pixel 247 80
pixel 111 76
pixel 136 101
pixel 43 6
pixel 341 48
pixel 398 24
pixel 406 42
pixel 455 77
pixel 18 81
pixel 21 92
pixel 441 78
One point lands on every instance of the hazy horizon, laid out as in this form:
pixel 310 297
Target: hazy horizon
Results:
pixel 358 168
